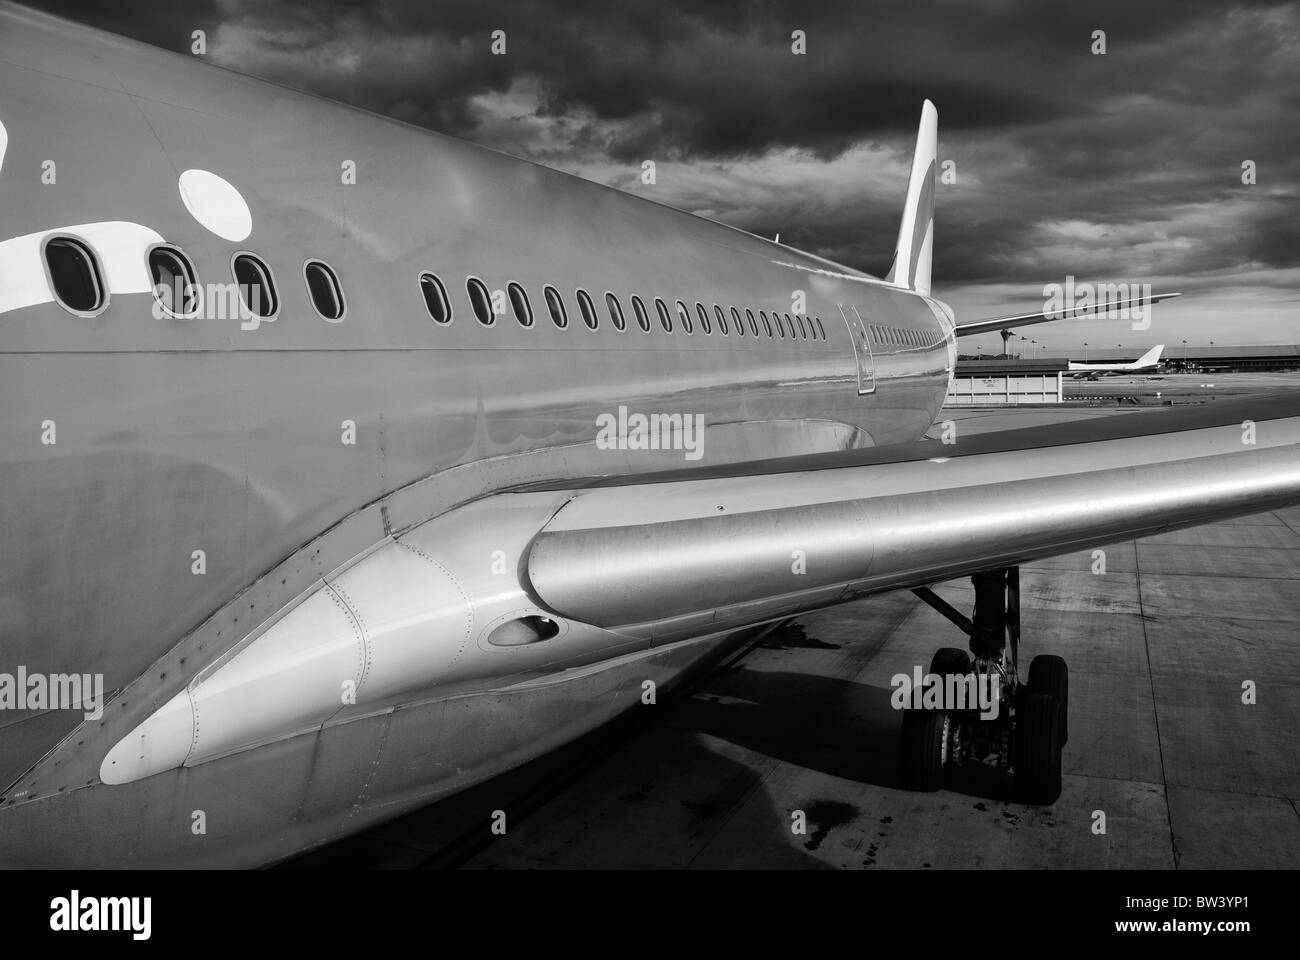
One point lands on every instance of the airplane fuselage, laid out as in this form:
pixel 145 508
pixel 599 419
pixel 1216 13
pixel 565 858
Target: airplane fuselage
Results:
pixel 131 445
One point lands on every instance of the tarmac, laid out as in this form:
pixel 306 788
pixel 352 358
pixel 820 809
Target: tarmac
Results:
pixel 1166 766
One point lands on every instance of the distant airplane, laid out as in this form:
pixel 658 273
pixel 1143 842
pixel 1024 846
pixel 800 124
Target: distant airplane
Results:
pixel 479 457
pixel 1148 361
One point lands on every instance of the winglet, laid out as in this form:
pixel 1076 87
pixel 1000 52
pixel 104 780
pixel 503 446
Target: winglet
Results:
pixel 913 255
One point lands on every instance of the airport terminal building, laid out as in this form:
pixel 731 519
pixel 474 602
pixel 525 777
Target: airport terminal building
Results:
pixel 1006 381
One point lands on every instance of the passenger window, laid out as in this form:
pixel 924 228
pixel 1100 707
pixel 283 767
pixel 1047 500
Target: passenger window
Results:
pixel 665 319
pixel 74 275
pixel 519 304
pixel 323 287
pixel 780 327
pixel 588 310
pixel 821 329
pixel 722 319
pixel 767 324
pixel 684 315
pixel 738 323
pixel 794 331
pixel 555 304
pixel 256 288
pixel 174 286
pixel 615 311
pixel 480 300
pixel 704 317
pixel 642 318
pixel 435 298
pixel 753 324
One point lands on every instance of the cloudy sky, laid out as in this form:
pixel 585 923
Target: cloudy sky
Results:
pixel 1122 167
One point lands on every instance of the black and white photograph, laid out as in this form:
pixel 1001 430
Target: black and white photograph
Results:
pixel 650 436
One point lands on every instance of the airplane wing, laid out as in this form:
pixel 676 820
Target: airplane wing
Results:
pixel 994 324
pixel 732 545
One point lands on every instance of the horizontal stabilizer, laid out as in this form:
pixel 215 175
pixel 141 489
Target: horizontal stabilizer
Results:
pixel 1101 310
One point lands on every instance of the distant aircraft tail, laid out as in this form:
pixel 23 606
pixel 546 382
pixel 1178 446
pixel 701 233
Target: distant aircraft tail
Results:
pixel 1151 357
pixel 912 256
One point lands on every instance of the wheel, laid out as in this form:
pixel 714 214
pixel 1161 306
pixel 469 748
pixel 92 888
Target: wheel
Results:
pixel 1048 674
pixel 952 662
pixel 948 661
pixel 1038 749
pixel 924 748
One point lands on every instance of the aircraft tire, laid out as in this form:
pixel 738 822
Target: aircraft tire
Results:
pixel 1048 674
pixel 948 661
pixel 924 749
pixel 1038 749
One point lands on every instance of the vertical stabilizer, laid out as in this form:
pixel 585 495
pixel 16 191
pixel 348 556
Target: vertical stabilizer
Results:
pixel 913 254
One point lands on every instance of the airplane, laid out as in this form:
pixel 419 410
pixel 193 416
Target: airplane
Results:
pixel 1148 361
pixel 478 455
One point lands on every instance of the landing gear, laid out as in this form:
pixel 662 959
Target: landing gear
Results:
pixel 989 716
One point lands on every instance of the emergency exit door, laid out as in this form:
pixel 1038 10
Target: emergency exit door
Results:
pixel 866 360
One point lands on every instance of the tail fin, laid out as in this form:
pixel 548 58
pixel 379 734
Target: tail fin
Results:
pixel 1151 356
pixel 913 254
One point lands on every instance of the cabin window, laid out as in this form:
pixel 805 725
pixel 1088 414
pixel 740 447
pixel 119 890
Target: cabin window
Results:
pixel 480 300
pixel 703 314
pixel 555 304
pixel 642 318
pixel 803 332
pixel 780 327
pixel 519 304
pixel 256 288
pixel 684 315
pixel 820 329
pixel 435 298
pixel 323 287
pixel 665 318
pixel 737 323
pixel 588 310
pixel 722 319
pixel 174 286
pixel 767 324
pixel 615 311
pixel 753 324
pixel 74 275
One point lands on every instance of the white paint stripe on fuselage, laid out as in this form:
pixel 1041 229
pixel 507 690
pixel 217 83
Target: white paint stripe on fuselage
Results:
pixel 118 245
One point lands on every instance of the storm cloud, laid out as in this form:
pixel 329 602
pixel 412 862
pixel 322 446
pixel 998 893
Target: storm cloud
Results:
pixel 1122 166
